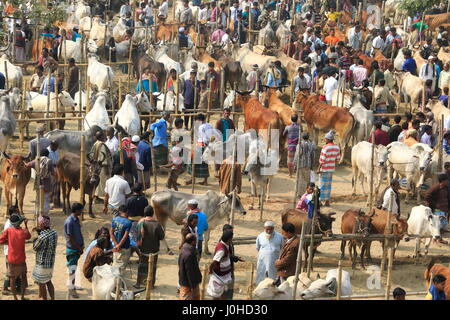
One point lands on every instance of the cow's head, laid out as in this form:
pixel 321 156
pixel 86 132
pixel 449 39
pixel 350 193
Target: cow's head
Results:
pixel 143 103
pixel 66 100
pixel 432 222
pixel 95 166
pixel 15 165
pixel 237 204
pixel 324 223
pixel 400 226
pixel 382 153
pixel 424 154
pixel 320 288
pixel 363 224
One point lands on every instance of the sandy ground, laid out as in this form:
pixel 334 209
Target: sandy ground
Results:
pixel 406 274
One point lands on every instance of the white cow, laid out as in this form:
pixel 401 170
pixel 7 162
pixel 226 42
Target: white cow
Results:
pixel 128 117
pixel 399 60
pixel 98 115
pixel 38 102
pixel 99 74
pixel 97 30
pixel 438 109
pixel 15 74
pixel 143 103
pixel 73 49
pixel 82 11
pixel 15 97
pixel 320 288
pixel 7 123
pixel 139 33
pixel 202 68
pixel 361 158
pixel 423 222
pixel 266 290
pixel 363 118
pixel 171 101
pixel 160 55
pixel 119 30
pixel 410 163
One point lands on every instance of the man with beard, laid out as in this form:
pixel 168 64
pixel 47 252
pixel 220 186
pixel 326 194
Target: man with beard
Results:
pixel 269 244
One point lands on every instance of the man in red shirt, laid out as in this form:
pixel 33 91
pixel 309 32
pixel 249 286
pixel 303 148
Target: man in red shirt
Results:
pixel 381 136
pixel 15 238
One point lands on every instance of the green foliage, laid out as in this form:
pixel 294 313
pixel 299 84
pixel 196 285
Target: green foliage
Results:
pixel 418 6
pixel 39 13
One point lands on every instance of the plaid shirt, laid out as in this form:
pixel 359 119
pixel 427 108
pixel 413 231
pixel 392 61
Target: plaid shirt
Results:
pixel 307 154
pixel 45 247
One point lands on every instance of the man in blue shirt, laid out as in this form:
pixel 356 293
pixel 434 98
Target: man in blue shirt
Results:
pixel 145 159
pixel 2 81
pixel 160 145
pixel 409 64
pixel 75 33
pixel 74 244
pixel 202 224
pixel 120 231
pixel 255 12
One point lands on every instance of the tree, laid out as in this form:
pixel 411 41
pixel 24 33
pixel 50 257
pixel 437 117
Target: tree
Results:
pixel 413 7
pixel 39 13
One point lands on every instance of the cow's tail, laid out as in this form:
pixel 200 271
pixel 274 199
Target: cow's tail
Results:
pixel 351 131
pixel 430 265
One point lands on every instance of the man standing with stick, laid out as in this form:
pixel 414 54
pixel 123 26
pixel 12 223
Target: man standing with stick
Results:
pixel 329 155
pixel 306 151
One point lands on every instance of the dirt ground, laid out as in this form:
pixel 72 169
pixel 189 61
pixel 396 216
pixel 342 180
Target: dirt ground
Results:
pixel 406 274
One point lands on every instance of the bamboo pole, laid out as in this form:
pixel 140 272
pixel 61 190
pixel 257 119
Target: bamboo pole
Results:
pixel 165 95
pixel 205 276
pixel 389 275
pixel 39 187
pixel 195 95
pixel 130 65
pixel 441 133
pixel 339 87
pixel 155 176
pixel 263 186
pixel 250 285
pixel 313 225
pixel 339 280
pixel 299 260
pixel 150 276
pixel 232 180
pixel 235 117
pixel 178 93
pixel 88 93
pixel 222 88
pixel 121 160
pixel 371 170
pixel 422 106
pixel 82 169
pixel 387 230
pixel 117 288
pixel 80 98
pixel 193 144
pixel 209 100
pixel 13 60
pixel 120 94
pixel 6 76
pixel 22 113
pixel 57 98
pixel 47 114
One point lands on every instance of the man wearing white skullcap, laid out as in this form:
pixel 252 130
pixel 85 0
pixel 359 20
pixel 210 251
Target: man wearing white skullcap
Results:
pixel 329 155
pixel 269 244
pixel 428 72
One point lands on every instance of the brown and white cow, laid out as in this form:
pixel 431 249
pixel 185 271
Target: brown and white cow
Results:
pixel 435 269
pixel 321 116
pixel 15 176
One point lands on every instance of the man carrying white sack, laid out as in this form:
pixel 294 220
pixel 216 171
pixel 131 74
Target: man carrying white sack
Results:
pixel 269 244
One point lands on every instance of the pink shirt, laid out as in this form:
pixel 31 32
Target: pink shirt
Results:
pixel 302 203
pixel 359 75
pixel 214 13
pixel 217 35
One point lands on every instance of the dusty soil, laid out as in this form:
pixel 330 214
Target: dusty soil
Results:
pixel 406 274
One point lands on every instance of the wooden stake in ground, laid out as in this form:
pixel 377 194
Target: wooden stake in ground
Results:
pixel 441 137
pixel 155 170
pixel 387 231
pixel 205 276
pixel 39 187
pixel 208 115
pixel 88 86
pixel 299 259
pixel 6 76
pixel 250 285
pixel 150 276
pixel 371 170
pixel 80 108
pixel 339 280
pixel 389 275
pixel 232 180
pixel 22 113
pixel 193 146
pixel 313 227
pixel 47 113
pixel 82 156
pixel 57 98
pixel 120 149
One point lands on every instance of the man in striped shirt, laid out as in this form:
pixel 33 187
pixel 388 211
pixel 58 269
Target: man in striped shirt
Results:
pixel 329 155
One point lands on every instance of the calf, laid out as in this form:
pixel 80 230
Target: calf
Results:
pixel 423 222
pixel 15 176
pixel 68 170
pixel 355 222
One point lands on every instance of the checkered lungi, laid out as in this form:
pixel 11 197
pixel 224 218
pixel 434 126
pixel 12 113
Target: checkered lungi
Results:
pixel 161 155
pixel 326 179
pixel 290 158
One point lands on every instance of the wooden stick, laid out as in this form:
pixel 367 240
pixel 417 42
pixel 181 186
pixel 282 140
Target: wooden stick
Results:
pixel 178 93
pixel 80 108
pixel 193 147
pixel 13 60
pixel 299 260
pixel 120 94
pixel 441 133
pixel 155 176
pixel 371 170
pixel 57 98
pixel 120 149
pixel 82 157
pixel 47 114
pixel 313 227
pixel 22 114
pixel 389 275
pixel 150 276
pixel 6 76
pixel 232 180
pixel 209 99
pixel 297 179
pixel 250 285
pixel 422 107
pixel 117 288
pixel 386 240
pixel 339 280
pixel 88 93
pixel 222 88
pixel 235 117
pixel 205 276
pixel 40 187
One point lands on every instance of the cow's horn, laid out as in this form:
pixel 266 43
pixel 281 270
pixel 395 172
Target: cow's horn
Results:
pixel 331 213
pixel 5 155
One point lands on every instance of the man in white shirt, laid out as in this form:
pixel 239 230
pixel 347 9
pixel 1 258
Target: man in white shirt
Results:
pixel 390 198
pixel 378 43
pixel 148 13
pixel 329 85
pixel 117 190
pixel 124 10
pixel 203 13
pixel 111 142
pixel 163 10
pixel 428 72
pixel 234 11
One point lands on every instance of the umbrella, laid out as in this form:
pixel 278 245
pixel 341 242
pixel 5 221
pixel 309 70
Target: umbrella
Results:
pixel 420 25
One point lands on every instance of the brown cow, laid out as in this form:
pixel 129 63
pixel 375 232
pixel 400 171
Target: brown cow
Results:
pixel 39 44
pixel 271 98
pixel 355 222
pixel 321 116
pixel 68 169
pixel 378 225
pixel 435 269
pixel 435 20
pixel 165 31
pixel 323 226
pixel 15 176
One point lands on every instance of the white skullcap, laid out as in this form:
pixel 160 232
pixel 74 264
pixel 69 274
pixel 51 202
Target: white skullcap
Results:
pixel 330 135
pixel 387 29
pixel 135 139
pixel 430 57
pixel 181 29
pixel 192 201
pixel 269 224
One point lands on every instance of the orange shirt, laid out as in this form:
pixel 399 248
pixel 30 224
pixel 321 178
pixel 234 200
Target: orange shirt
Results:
pixel 9 10
pixel 331 40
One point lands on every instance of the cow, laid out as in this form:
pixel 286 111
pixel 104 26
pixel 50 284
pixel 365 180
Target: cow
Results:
pixel 437 107
pixel 363 118
pixel 247 58
pixel 232 73
pixel 15 176
pixel 435 20
pixel 399 60
pixel 271 98
pixel 266 36
pixel 98 114
pixel 422 222
pixel 435 269
pixel 7 122
pixel 68 172
pixel 119 30
pixel 73 49
pixel 328 287
pixel 100 75
pixel 320 116
pixel 82 11
pixel 141 61
pixel 355 222
pixel 128 117
pixel 171 101
pixel 70 140
pixel 14 73
pixel 420 61
pixel 282 34
pixel 361 165
pixel 267 290
pixel 169 204
pixel 97 31
pixel 378 226
pixel 15 97
pixel 160 55
pixel 410 163
pixel 164 31
pixel 289 63
pixel 189 60
pixel 443 55
pixel 323 225
pixel 260 167
pixel 409 86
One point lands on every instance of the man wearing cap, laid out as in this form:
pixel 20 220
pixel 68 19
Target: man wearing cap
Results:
pixel 100 152
pixel 144 152
pixel 428 72
pixel 202 224
pixel 160 144
pixel 329 155
pixel 75 33
pixel 268 244
pixel 252 78
pixel 182 38
pixel 72 85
